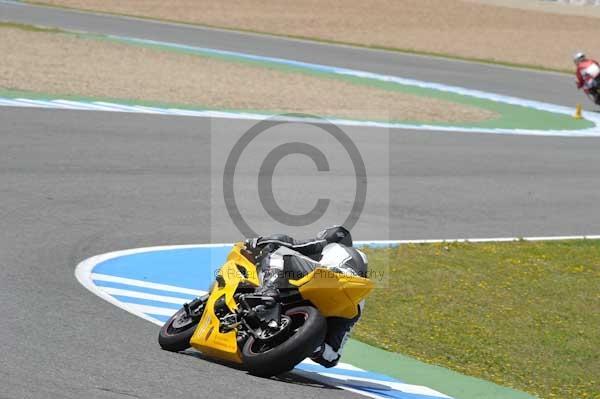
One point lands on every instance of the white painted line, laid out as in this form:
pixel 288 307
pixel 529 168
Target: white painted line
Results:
pixel 341 366
pixel 151 309
pixel 146 284
pixel 143 295
pixel 500 239
pixel 39 103
pixel 399 386
pixel 117 107
pixel 185 112
pixel 148 110
pixel 13 103
pixel 109 107
pixel 83 272
pixel 57 104
pixel 86 105
pixel 340 381
pixel 344 387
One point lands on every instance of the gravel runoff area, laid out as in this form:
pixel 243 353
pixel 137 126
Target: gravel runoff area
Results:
pixel 563 7
pixel 57 63
pixel 471 29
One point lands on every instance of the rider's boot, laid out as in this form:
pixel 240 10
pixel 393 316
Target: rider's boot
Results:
pixel 338 331
pixel 269 275
pixel 268 284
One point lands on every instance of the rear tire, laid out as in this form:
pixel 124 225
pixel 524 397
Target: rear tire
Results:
pixel 175 334
pixel 310 328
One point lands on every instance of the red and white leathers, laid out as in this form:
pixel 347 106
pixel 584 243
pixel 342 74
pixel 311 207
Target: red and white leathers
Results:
pixel 587 72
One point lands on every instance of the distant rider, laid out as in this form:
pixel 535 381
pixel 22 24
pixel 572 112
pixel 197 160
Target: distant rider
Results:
pixel 280 255
pixel 588 71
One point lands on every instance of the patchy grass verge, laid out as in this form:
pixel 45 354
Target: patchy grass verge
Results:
pixel 521 314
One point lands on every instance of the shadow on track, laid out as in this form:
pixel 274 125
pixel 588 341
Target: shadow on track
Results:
pixel 289 378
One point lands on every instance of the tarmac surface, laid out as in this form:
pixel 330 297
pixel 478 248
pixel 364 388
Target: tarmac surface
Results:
pixel 80 183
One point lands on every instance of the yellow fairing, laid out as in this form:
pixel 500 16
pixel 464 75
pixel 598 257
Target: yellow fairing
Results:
pixel 334 294
pixel 207 338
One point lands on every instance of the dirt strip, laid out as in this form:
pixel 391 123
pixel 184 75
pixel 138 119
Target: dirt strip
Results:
pixel 456 27
pixel 64 64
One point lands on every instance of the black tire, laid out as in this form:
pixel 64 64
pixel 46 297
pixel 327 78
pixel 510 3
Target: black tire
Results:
pixel 175 339
pixel 284 357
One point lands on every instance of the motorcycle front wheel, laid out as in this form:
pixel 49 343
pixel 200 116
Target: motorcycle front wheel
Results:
pixel 306 333
pixel 175 334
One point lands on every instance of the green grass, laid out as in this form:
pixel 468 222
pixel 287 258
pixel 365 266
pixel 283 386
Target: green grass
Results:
pixel 523 314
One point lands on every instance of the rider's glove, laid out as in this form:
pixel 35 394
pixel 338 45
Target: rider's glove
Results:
pixel 257 248
pixel 252 244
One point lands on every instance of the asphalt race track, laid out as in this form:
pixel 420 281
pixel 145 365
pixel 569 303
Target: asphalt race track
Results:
pixel 80 183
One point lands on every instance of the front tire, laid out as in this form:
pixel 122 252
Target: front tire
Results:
pixel 308 332
pixel 175 334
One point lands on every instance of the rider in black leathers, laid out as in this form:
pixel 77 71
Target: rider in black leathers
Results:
pixel 281 257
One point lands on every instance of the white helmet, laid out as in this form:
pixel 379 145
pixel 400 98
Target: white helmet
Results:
pixel 342 259
pixel 578 57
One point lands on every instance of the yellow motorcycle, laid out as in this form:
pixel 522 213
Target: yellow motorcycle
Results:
pixel 266 335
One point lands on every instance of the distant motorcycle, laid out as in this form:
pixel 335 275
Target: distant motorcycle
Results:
pixel 267 335
pixel 591 82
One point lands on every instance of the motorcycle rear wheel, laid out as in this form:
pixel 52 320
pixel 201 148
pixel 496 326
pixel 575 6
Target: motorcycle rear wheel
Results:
pixel 307 333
